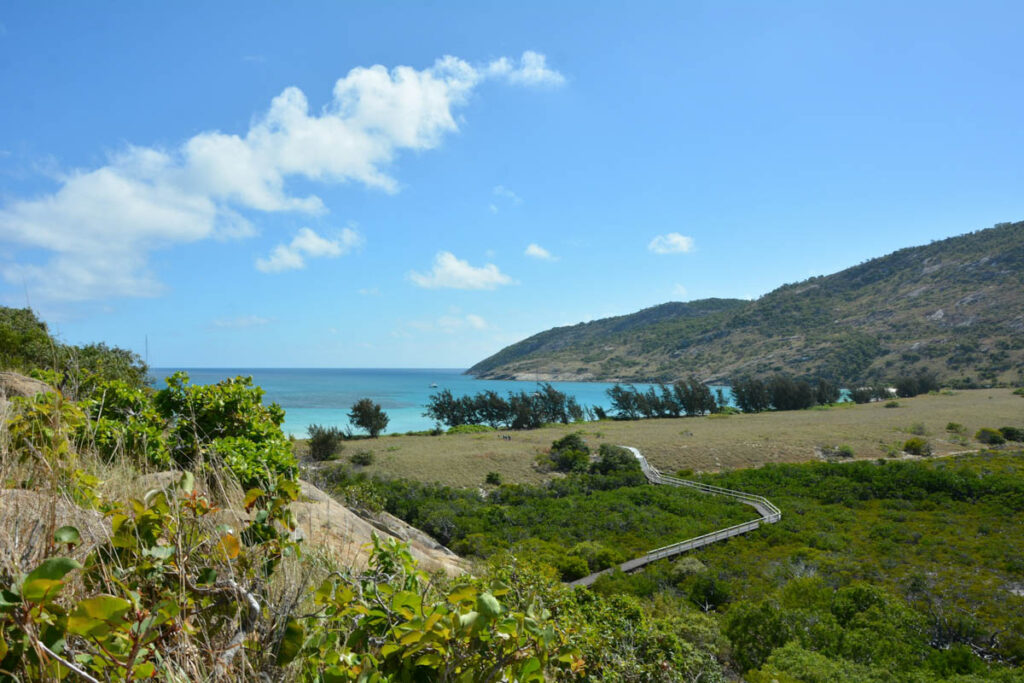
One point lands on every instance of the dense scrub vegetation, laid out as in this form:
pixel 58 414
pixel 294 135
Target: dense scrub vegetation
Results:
pixel 878 571
pixel 579 524
pixel 27 346
pixel 894 570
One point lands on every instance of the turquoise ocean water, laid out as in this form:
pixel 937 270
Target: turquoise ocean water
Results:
pixel 324 396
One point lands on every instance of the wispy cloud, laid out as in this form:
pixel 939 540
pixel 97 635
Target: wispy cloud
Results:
pixel 308 244
pixel 679 291
pixel 671 243
pixel 502 191
pixel 100 226
pixel 538 252
pixel 531 69
pixel 449 324
pixel 368 291
pixel 450 272
pixel 241 321
pixel 506 196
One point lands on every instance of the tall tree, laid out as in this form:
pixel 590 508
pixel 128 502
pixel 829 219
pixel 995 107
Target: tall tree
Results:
pixel 368 415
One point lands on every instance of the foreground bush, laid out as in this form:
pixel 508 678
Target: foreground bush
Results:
pixel 226 422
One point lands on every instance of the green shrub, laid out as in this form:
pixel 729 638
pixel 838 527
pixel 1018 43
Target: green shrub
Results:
pixel 989 436
pixel 709 593
pixel 226 420
pixel 493 478
pixel 614 459
pixel 917 429
pixel 1018 392
pixel 843 451
pixel 892 404
pixel 1012 433
pixel 570 453
pixel 955 428
pixel 324 442
pixel 685 567
pixel 125 422
pixel 917 446
pixel 572 567
pixel 469 429
pixel 362 458
pixel 255 463
pixel 596 556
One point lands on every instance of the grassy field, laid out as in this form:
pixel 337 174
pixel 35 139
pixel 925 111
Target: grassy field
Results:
pixel 703 443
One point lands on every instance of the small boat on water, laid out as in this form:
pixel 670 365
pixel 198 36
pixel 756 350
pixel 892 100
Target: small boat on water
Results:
pixel 433 385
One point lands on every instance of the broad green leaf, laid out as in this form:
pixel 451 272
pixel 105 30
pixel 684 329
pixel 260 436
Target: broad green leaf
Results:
pixel 530 667
pixel 67 534
pixel 98 616
pixel 488 604
pixel 463 594
pixel 144 671
pixel 9 600
pixel 431 659
pixel 411 637
pixel 291 643
pixel 432 621
pixel 187 483
pixel 160 552
pixel 46 580
pixel 251 496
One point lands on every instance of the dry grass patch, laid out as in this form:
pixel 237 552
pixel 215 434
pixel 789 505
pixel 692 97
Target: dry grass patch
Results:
pixel 705 443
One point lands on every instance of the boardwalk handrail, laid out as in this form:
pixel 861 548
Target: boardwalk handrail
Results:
pixel 768 513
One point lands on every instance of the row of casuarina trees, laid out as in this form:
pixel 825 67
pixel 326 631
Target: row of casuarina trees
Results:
pixel 689 397
pixel 520 410
pixel 692 397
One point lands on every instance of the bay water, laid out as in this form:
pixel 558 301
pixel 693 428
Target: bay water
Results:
pixel 324 396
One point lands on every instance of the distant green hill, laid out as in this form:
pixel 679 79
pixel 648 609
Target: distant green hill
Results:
pixel 955 306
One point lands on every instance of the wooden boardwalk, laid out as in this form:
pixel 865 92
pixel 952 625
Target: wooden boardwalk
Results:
pixel 767 514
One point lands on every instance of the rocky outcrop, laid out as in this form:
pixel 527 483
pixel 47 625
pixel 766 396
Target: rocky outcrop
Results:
pixel 29 518
pixel 13 384
pixel 324 522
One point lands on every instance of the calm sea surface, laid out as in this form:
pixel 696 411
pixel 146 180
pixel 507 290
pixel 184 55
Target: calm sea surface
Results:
pixel 324 396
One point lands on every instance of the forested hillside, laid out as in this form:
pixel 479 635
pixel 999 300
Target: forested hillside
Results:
pixel 955 307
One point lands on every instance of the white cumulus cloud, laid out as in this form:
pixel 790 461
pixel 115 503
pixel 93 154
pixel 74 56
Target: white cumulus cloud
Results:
pixel 307 244
pixel 97 229
pixel 538 252
pixel 450 272
pixel 671 243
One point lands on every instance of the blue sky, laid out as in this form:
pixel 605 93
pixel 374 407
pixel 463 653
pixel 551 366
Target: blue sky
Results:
pixel 419 184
